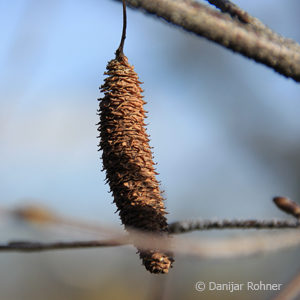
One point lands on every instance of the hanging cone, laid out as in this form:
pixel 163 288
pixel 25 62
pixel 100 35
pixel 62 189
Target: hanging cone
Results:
pixel 127 157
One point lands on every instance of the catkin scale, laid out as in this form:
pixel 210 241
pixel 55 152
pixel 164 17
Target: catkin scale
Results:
pixel 127 158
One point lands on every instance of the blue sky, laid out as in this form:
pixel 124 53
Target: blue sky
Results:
pixel 207 109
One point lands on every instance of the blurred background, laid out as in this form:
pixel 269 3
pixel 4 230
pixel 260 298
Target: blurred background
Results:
pixel 225 132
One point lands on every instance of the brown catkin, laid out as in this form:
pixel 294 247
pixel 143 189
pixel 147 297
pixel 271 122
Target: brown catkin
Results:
pixel 127 158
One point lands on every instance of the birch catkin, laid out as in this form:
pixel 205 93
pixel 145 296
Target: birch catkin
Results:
pixel 127 157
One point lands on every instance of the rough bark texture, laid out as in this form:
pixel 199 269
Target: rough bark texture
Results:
pixel 127 158
pixel 257 42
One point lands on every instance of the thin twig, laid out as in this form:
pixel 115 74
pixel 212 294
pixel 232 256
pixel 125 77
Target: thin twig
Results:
pixel 42 215
pixel 29 246
pixel 258 43
pixel 283 203
pixel 204 247
pixel 188 226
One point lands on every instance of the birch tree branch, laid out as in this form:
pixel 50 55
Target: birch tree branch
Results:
pixel 235 11
pixel 146 239
pixel 253 40
pixel 230 247
pixel 37 214
pixel 30 246
pixel 232 9
pixel 188 226
pixel 204 247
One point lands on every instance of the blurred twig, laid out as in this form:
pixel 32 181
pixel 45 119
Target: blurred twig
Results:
pixel 291 291
pixel 204 248
pixel 230 247
pixel 250 37
pixel 29 246
pixel 288 206
pixel 39 214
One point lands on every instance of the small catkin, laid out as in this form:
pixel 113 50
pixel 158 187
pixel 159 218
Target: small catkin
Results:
pixel 127 158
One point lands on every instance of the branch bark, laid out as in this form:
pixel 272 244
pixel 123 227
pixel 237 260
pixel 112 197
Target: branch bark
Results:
pixel 253 40
pixel 203 248
pixel 231 247
pixel 188 226
pixel 30 246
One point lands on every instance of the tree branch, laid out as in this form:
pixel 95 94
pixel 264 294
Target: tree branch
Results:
pixel 228 7
pixel 148 238
pixel 235 11
pixel 188 226
pixel 283 203
pixel 229 247
pixel 29 246
pixel 38 214
pixel 256 42
pixel 204 247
